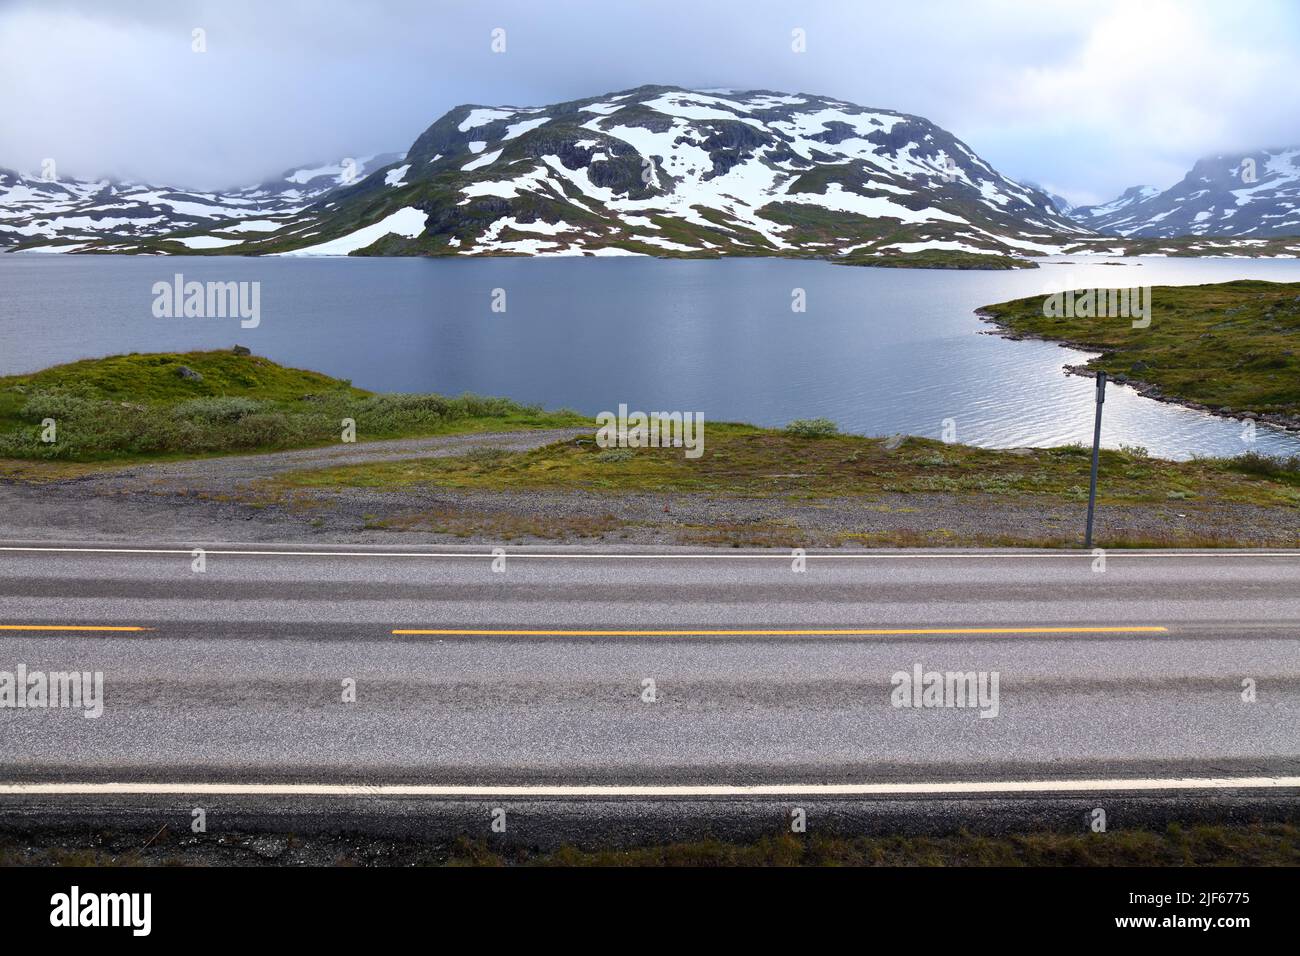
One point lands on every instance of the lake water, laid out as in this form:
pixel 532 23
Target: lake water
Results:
pixel 877 350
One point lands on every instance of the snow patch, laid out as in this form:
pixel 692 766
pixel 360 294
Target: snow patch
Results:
pixel 408 222
pixel 206 242
pixel 481 117
pixel 518 129
pixel 253 225
pixel 487 159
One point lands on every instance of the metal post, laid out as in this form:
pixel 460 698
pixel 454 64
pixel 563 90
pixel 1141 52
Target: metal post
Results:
pixel 1096 447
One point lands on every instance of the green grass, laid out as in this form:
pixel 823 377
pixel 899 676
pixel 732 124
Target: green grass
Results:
pixel 138 407
pixel 1236 844
pixel 153 378
pixel 937 259
pixel 1232 346
pixel 1244 845
pixel 742 460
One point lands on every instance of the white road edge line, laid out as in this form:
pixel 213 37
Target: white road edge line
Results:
pixel 721 556
pixel 649 790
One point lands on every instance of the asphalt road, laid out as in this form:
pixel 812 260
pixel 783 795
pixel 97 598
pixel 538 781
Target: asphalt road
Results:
pixel 238 676
pixel 1119 688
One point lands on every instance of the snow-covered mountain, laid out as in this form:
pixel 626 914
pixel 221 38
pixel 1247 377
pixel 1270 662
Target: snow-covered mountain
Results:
pixel 666 171
pixel 64 215
pixel 1106 217
pixel 1060 203
pixel 669 171
pixel 1251 195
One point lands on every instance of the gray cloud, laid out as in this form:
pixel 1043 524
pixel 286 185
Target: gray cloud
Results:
pixel 1087 98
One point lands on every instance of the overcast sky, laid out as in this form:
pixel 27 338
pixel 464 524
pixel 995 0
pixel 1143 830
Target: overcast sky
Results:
pixel 1084 97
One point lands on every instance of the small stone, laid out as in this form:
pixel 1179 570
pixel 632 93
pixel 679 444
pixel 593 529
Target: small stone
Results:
pixel 243 350
pixel 187 373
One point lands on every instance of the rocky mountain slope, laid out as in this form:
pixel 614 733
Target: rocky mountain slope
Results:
pixel 1060 203
pixel 1109 216
pixel 668 171
pixel 665 171
pixel 1250 195
pixel 63 215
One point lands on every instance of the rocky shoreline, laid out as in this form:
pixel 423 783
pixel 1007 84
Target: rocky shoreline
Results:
pixel 1290 423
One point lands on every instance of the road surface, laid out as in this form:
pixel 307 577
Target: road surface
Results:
pixel 534 681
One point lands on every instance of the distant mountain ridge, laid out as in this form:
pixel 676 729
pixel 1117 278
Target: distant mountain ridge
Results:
pixel 58 214
pixel 1059 203
pixel 668 171
pixel 1253 195
pixel 1104 214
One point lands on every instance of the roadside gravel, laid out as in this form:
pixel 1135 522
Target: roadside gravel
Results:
pixel 221 500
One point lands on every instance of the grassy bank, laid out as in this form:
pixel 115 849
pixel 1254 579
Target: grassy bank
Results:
pixel 745 461
pixel 937 259
pixel 1231 347
pixel 1249 845
pixel 1246 844
pixel 141 407
pixel 805 485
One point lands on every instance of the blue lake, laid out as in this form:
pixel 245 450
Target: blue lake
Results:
pixel 877 350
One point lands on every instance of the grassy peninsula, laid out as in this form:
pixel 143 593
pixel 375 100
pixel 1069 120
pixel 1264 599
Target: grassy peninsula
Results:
pixel 1231 347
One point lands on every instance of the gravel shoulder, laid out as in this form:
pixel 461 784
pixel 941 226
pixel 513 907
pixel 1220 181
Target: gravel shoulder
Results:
pixel 233 469
pixel 225 499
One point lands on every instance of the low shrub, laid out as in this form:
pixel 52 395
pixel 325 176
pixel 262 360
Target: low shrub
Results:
pixel 1266 466
pixel 812 428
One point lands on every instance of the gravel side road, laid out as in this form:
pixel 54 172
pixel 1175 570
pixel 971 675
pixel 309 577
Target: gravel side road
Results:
pixel 225 499
pixel 210 473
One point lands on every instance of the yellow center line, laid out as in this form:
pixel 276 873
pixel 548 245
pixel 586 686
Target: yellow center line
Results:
pixel 69 627
pixel 801 632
